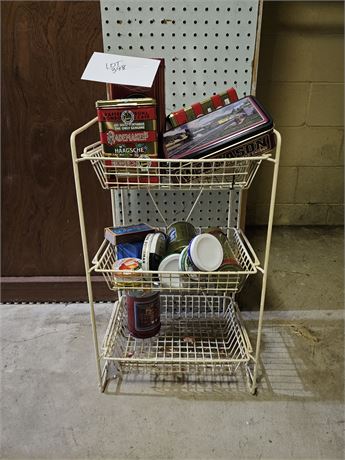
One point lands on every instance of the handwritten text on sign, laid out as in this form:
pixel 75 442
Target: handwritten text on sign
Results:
pixel 125 70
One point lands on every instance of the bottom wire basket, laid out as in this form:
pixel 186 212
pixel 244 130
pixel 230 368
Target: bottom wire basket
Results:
pixel 198 334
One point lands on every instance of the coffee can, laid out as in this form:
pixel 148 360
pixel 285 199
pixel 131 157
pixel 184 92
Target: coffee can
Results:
pixel 143 313
pixel 179 236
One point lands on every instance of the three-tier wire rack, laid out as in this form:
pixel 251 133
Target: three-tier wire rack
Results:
pixel 205 46
pixel 202 329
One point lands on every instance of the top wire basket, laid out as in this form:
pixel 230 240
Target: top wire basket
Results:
pixel 221 172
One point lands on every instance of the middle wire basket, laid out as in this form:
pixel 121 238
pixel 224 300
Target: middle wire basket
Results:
pixel 197 281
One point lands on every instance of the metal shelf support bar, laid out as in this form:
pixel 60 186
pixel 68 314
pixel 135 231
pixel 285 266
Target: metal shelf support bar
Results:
pixel 84 241
pixel 267 253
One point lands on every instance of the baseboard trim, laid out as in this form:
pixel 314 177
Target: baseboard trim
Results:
pixel 53 289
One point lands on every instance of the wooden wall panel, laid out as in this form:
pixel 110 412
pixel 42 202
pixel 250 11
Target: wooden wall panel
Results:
pixel 45 47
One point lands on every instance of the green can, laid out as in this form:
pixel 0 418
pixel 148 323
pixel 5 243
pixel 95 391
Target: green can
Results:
pixel 229 256
pixel 179 236
pixel 228 267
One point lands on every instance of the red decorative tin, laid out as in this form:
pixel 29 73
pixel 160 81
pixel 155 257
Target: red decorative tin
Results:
pixel 143 313
pixel 128 129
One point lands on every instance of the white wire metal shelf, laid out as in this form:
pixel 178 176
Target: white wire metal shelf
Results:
pixel 198 333
pixel 172 281
pixel 189 174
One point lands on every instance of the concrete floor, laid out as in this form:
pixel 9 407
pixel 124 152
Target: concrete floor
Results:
pixel 51 408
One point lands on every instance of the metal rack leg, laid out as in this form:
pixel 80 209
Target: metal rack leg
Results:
pixel 84 244
pixel 267 253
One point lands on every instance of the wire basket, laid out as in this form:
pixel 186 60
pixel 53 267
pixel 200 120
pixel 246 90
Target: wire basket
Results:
pixel 188 174
pixel 172 281
pixel 198 333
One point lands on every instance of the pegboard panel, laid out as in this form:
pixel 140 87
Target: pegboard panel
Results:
pixel 207 46
pixel 210 210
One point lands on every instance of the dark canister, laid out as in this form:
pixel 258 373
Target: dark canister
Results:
pixel 179 236
pixel 143 313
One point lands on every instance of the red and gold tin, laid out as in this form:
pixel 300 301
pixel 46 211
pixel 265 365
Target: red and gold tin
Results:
pixel 202 108
pixel 143 310
pixel 128 129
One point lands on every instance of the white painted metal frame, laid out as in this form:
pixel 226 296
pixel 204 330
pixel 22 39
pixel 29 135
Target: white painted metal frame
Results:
pixel 207 47
pixel 113 367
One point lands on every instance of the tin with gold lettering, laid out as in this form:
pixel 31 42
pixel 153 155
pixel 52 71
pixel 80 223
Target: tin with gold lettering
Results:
pixel 128 129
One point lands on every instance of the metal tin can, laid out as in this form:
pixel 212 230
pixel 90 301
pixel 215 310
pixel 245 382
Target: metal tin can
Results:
pixel 128 129
pixel 153 250
pixel 205 253
pixel 229 256
pixel 179 236
pixel 199 109
pixel 143 311
pixel 128 272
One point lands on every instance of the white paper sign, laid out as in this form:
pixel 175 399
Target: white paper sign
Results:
pixel 125 70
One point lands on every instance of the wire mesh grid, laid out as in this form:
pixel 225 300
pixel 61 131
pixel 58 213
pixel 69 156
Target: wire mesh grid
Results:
pixel 196 281
pixel 209 173
pixel 198 333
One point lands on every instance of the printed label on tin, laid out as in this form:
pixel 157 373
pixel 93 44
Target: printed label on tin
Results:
pixel 172 235
pixel 146 315
pixel 126 117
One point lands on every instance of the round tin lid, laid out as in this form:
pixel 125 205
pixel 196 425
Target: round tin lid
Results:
pixel 142 295
pixel 170 263
pixel 129 263
pixel 206 252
